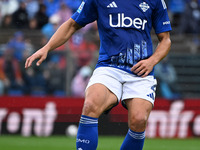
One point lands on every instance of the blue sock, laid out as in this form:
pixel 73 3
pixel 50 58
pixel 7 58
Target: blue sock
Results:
pixel 87 136
pixel 133 141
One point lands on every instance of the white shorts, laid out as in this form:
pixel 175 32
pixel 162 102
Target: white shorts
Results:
pixel 125 85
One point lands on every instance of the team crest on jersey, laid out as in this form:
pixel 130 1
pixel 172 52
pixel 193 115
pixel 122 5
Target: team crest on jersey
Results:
pixel 81 7
pixel 144 6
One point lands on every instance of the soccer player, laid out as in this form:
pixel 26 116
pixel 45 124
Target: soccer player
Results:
pixel 124 70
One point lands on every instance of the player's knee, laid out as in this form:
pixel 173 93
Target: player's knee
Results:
pixel 90 109
pixel 137 122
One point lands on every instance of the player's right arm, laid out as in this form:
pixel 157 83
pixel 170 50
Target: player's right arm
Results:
pixel 62 35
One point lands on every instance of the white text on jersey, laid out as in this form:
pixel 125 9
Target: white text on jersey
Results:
pixel 136 22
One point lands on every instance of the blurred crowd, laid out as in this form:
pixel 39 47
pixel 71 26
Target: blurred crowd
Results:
pixel 184 15
pixel 73 59
pixel 35 14
pixel 45 16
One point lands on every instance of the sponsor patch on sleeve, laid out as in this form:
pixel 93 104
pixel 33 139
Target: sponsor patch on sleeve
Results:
pixel 81 7
pixel 166 22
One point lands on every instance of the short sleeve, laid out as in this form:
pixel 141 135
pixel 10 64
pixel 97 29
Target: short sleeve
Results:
pixel 160 19
pixel 86 13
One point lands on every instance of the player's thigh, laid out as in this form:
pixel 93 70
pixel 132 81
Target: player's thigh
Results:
pixel 138 113
pixel 98 98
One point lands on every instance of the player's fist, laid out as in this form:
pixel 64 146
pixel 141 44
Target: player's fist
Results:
pixel 40 54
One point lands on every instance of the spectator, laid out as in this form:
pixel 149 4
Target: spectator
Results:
pixel 29 47
pixel 52 6
pixel 32 6
pixel 190 24
pixel 8 7
pixel 80 81
pixel 167 78
pixel 176 9
pixel 20 17
pixel 17 43
pixel 34 81
pixel 81 48
pixel 64 13
pixel 10 72
pixel 49 29
pixel 191 18
pixel 36 84
pixel 55 76
pixel 27 74
pixel 6 22
pixel 41 17
pixel 33 24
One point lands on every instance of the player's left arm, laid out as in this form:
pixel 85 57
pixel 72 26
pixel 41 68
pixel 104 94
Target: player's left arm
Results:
pixel 144 67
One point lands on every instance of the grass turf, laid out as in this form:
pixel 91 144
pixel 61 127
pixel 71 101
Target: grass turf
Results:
pixel 105 143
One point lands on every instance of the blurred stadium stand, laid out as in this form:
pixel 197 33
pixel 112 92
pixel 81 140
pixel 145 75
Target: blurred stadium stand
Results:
pixel 35 36
pixel 184 56
pixel 83 47
pixel 188 69
pixel 82 50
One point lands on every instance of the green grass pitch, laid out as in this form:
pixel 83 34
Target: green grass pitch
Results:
pixel 105 143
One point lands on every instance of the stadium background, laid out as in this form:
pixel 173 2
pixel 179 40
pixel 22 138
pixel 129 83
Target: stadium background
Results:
pixel 45 101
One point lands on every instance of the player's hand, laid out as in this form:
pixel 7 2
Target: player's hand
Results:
pixel 142 68
pixel 41 54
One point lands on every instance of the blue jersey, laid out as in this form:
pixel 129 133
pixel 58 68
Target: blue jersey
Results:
pixel 124 28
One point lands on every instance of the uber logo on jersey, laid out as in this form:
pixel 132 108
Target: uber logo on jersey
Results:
pixel 123 21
